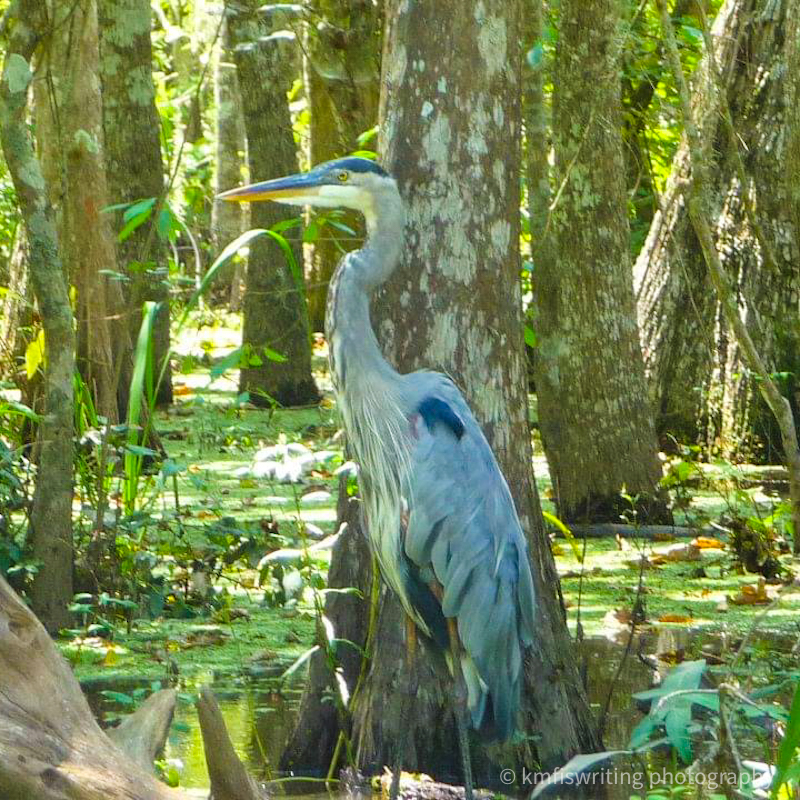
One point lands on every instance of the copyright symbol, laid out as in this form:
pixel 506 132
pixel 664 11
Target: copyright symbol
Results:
pixel 508 776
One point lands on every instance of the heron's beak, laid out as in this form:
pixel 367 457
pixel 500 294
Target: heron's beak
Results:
pixel 297 188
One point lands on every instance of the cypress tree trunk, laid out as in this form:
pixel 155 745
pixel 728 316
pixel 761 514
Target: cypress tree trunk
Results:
pixel 341 69
pixel 51 514
pixel 703 391
pixel 451 132
pixel 275 318
pixel 590 383
pixel 16 310
pixel 228 220
pixel 135 171
pixel 88 243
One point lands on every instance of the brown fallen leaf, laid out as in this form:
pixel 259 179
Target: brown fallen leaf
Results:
pixel 707 543
pixel 751 595
pixel 680 619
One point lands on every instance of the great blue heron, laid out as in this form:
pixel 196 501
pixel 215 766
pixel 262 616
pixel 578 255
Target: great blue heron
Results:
pixel 439 513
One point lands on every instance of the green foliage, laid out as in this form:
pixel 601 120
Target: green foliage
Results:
pixel 787 769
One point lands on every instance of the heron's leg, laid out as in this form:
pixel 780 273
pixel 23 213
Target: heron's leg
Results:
pixel 460 707
pixel 408 690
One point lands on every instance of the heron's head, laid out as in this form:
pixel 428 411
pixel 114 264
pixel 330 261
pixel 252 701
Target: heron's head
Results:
pixel 351 182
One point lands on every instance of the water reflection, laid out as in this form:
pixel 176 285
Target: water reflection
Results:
pixel 260 714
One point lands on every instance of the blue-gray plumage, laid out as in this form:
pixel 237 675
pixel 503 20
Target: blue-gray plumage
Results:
pixel 439 513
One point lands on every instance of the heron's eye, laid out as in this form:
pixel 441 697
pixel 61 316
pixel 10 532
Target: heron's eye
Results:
pixel 343 176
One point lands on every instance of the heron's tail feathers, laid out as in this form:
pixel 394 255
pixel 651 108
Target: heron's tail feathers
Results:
pixel 493 714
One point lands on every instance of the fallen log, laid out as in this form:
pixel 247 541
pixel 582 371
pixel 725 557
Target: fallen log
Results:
pixel 229 778
pixel 142 735
pixel 51 747
pixel 603 530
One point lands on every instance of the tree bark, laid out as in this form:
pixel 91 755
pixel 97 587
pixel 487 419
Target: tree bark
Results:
pixel 74 105
pixel 534 109
pixel 228 220
pixel 698 203
pixel 317 730
pixel 275 317
pixel 229 778
pixel 590 381
pixel 449 134
pixel 51 747
pixel 135 170
pixel 143 734
pixel 704 391
pixel 17 310
pixel 51 514
pixel 342 66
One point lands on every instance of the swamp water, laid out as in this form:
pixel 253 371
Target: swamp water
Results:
pixel 260 715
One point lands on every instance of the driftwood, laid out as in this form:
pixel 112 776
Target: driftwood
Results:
pixel 610 530
pixel 51 747
pixel 142 735
pixel 229 779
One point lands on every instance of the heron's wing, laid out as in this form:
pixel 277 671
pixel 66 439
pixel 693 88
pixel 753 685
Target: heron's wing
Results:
pixel 464 533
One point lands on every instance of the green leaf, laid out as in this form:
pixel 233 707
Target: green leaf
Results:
pixel 167 225
pixel 139 207
pixel 367 136
pixel 568 535
pixel 272 355
pixel 140 390
pixel 170 468
pixel 684 677
pixel 219 262
pixel 118 697
pixel 34 355
pixel 574 767
pixel 233 359
pixel 676 724
pixel 133 224
pixel 299 662
pixel 788 745
pixel 12 406
pixel 642 732
pixel 311 232
pixel 138 450
pixel 340 226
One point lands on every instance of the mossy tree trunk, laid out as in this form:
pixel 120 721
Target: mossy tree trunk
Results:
pixel 228 220
pixel 590 382
pixel 451 134
pixel 16 309
pixel 51 514
pixel 703 390
pixel 275 316
pixel 135 170
pixel 74 105
pixel 342 65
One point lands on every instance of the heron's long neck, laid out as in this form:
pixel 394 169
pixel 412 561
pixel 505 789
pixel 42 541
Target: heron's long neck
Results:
pixel 355 352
